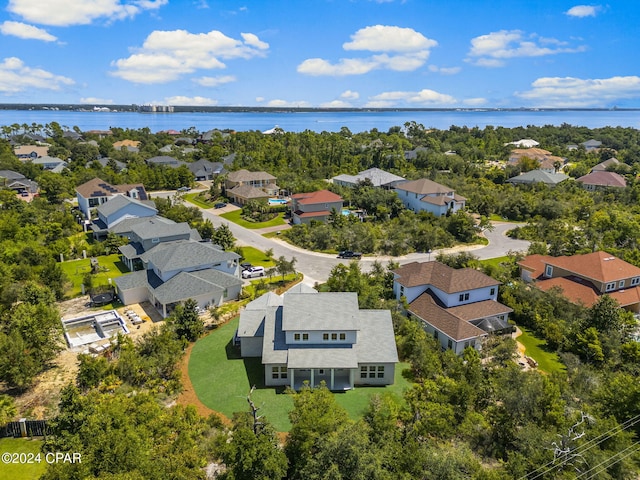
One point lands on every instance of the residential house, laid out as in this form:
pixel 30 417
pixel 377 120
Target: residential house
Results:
pixel 31 152
pixel 149 232
pixel 118 208
pixel 50 164
pixel 242 186
pixel 377 177
pixel 165 161
pixel 524 143
pixel 307 336
pixel 314 206
pixel 127 144
pixel 602 179
pixel 538 176
pixel 583 279
pixel 611 163
pixel 546 161
pixel 591 145
pixel 458 307
pixel 174 272
pixel 205 170
pixel 413 154
pixel 17 181
pixel 95 192
pixel 427 195
pixel 106 161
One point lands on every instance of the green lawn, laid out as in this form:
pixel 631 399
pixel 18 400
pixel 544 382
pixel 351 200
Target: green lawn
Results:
pixel 494 261
pixel 21 471
pixel 222 379
pixel 537 349
pixel 256 257
pixel 235 217
pixel 75 269
pixel 196 199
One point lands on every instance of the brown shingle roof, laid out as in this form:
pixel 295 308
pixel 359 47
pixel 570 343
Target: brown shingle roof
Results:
pixel 603 179
pixel 423 186
pixel 474 311
pixel 247 191
pixel 573 289
pixel 443 277
pixel 99 188
pixel 454 327
pixel 599 266
pixel 247 176
pixel 321 196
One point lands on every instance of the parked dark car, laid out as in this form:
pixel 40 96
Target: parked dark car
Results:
pixel 220 205
pixel 349 254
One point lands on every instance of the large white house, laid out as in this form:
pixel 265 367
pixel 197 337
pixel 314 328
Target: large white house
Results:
pixel 427 195
pixel 458 307
pixel 95 192
pixel 307 336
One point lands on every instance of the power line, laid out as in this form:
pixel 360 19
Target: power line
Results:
pixel 633 448
pixel 583 448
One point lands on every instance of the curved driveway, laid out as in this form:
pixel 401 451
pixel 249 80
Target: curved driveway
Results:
pixel 316 267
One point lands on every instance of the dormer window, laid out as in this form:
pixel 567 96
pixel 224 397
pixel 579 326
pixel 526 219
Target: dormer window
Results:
pixel 621 284
pixel 548 271
pixel 635 281
pixel 463 297
pixel 610 286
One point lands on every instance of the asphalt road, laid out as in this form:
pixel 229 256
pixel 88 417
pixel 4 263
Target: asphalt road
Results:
pixel 316 267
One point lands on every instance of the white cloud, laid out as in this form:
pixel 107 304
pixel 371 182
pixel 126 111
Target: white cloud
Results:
pixel 385 38
pixel 423 97
pixel 79 12
pixel 576 92
pixel 259 99
pixel 285 103
pixel 401 49
pixel 336 104
pixel 581 11
pixel 22 30
pixel 16 77
pixel 492 49
pixel 167 55
pixel 214 81
pixel 475 102
pixel 96 101
pixel 350 95
pixel 182 100
pixel 444 70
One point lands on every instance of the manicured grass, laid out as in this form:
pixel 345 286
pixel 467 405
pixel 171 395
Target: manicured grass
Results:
pixel 537 349
pixel 256 257
pixel 236 217
pixel 22 471
pixel 494 261
pixel 75 270
pixel 196 199
pixel 222 380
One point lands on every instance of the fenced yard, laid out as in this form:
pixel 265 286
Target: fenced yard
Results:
pixel 110 267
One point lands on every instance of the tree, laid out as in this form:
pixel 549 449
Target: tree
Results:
pixel 8 409
pixel 187 322
pixel 284 266
pixel 223 237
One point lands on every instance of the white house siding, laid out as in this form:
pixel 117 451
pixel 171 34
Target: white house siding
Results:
pixel 316 337
pixel 410 293
pixel 387 379
pixel 475 295
pixel 133 295
pixel 251 346
pixel 269 381
pixel 457 347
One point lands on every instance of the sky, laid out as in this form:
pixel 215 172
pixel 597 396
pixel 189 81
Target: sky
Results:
pixel 322 53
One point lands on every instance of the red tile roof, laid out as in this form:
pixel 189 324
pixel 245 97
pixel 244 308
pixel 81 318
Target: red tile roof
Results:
pixel 603 179
pixel 599 266
pixel 443 277
pixel 321 196
pixel 572 289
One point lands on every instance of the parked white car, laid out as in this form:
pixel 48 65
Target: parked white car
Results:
pixel 253 272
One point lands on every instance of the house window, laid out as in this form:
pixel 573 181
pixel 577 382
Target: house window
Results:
pixel 155 240
pixel 296 337
pixel 435 334
pixel 278 372
pixel 343 336
pixel 334 336
pixel 621 284
pixel 372 371
pixel 321 371
pixel 493 291
pixel 548 271
pixel 380 371
pixel 305 337
pixel 610 286
pixel 463 297
pixel 450 343
pixel 325 336
pixel 363 372
pixel 635 281
pixel 401 290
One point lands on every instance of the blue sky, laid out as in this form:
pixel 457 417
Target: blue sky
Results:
pixel 321 53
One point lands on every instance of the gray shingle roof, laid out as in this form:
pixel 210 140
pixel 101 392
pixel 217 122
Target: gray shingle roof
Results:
pixel 535 176
pixel 155 228
pixel 192 284
pixel 124 227
pixel 184 254
pixel 326 311
pixel 376 340
pixel 117 202
pixel 131 280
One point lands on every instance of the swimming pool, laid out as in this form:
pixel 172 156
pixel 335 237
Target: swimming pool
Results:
pixel 278 201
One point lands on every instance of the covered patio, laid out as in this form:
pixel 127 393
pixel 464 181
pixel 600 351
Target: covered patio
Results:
pixel 335 366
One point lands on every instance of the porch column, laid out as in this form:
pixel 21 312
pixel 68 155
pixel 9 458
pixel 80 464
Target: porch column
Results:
pixel 332 378
pixel 164 310
pixel 312 384
pixel 291 374
pixel 351 379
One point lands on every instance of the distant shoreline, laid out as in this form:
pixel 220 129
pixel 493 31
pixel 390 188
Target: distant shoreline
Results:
pixel 240 109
